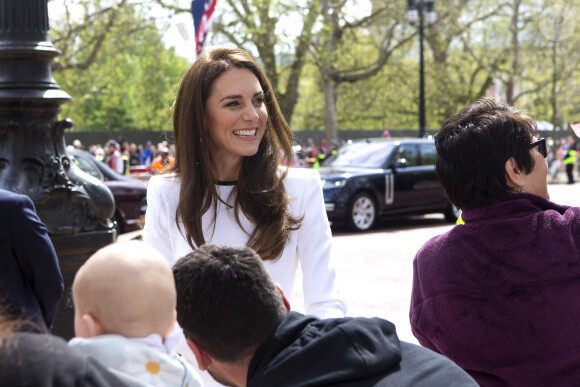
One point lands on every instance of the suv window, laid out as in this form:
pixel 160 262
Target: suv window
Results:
pixel 363 154
pixel 428 153
pixel 410 153
pixel 87 167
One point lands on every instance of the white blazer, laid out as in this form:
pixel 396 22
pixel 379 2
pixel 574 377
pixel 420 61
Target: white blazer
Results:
pixel 310 244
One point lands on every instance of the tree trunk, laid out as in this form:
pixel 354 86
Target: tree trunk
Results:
pixel 329 14
pixel 510 84
pixel 330 121
pixel 290 97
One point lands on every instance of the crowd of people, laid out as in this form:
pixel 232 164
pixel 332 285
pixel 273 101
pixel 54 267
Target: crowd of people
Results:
pixel 124 157
pixel 205 298
pixel 563 158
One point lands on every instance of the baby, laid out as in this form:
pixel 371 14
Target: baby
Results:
pixel 124 298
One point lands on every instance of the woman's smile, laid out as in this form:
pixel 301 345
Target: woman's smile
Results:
pixel 236 117
pixel 246 133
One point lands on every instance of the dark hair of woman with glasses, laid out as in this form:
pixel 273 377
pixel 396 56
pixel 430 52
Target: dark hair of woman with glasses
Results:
pixel 499 294
pixel 475 148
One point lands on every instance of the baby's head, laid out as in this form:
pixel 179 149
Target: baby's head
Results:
pixel 126 289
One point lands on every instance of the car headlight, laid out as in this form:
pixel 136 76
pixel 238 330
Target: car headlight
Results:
pixel 328 184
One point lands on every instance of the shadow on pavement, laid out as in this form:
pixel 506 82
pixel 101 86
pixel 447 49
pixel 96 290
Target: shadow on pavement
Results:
pixel 391 224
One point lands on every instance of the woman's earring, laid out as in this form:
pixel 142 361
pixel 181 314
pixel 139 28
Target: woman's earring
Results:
pixel 522 189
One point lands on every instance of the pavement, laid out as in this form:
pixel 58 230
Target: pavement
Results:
pixel 375 270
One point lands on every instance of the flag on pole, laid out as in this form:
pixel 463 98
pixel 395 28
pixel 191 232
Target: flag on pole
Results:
pixel 202 11
pixel 576 128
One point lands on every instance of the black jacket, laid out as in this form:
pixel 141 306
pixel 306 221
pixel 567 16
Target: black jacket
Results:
pixel 307 351
pixel 30 279
pixel 38 360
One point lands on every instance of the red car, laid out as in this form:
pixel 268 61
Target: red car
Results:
pixel 130 193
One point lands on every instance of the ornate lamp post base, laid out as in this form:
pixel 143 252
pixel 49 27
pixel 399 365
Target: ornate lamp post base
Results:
pixel 72 252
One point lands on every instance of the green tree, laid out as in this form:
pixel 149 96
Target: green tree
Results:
pixel 454 79
pixel 129 85
pixel 255 25
pixel 379 34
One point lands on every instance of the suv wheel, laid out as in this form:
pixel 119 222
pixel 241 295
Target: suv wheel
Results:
pixel 363 212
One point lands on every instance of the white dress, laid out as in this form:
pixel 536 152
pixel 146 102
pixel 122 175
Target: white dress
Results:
pixel 309 245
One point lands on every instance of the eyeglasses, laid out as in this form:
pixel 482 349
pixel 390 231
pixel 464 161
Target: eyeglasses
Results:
pixel 541 144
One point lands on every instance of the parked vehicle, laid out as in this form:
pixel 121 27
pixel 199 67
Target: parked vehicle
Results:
pixel 368 179
pixel 142 172
pixel 130 193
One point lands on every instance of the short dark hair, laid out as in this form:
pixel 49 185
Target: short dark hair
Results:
pixel 226 301
pixel 473 147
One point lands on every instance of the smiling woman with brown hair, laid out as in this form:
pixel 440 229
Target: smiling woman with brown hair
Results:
pixel 226 185
pixel 499 295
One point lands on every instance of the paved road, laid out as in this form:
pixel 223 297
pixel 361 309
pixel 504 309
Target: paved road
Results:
pixel 376 268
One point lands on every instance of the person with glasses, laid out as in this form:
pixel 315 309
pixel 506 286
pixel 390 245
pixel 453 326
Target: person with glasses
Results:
pixel 499 295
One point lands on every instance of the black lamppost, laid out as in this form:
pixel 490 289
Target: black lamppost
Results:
pixel 75 207
pixel 415 10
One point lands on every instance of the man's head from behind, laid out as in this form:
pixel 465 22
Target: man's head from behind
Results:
pixel 227 304
pixel 126 289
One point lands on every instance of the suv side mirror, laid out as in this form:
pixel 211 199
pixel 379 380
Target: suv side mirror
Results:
pixel 401 163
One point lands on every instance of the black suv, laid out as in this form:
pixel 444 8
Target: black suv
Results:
pixel 370 178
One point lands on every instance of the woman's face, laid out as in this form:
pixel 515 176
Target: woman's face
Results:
pixel 235 116
pixel 536 180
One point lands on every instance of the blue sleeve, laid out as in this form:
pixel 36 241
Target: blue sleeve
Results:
pixel 37 258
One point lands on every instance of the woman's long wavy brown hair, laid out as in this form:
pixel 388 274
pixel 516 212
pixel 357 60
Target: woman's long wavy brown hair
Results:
pixel 259 191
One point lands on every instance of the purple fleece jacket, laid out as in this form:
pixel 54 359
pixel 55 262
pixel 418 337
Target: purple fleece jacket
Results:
pixel 500 295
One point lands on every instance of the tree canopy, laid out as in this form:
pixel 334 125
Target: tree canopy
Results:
pixel 115 66
pixel 334 64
